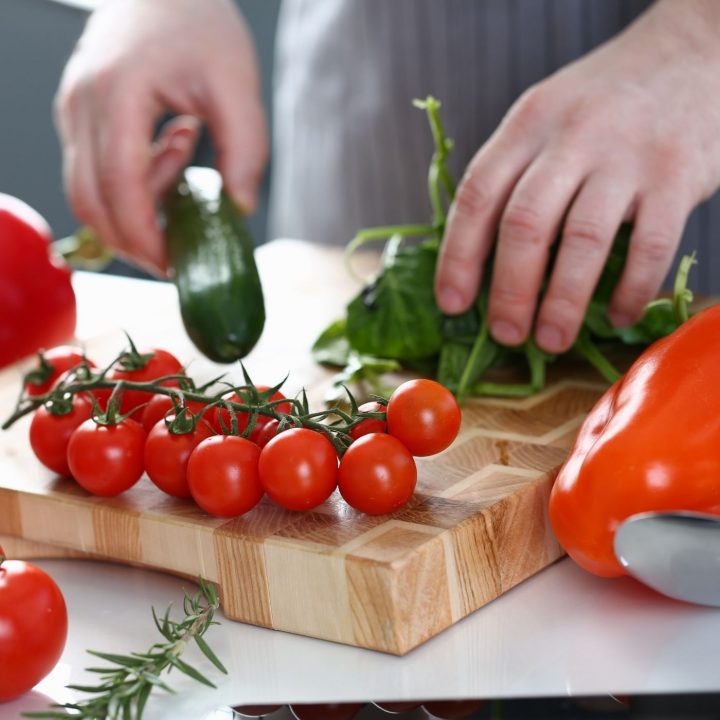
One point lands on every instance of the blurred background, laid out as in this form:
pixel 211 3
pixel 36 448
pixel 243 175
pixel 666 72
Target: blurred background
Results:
pixel 36 39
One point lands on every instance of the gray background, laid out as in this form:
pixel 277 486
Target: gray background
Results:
pixel 36 39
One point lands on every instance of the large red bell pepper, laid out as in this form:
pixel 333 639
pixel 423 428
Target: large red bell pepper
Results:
pixel 652 443
pixel 37 302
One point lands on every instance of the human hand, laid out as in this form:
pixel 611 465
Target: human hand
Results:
pixel 136 60
pixel 629 132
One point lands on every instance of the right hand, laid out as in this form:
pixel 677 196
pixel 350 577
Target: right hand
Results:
pixel 136 60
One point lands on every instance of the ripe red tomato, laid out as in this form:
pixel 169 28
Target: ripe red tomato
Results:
pixel 107 459
pixel 369 425
pixel 160 364
pixel 160 405
pixel 57 361
pixel 453 709
pixel 222 474
pixel 50 434
pixel 166 456
pixel 267 432
pixel 298 468
pixel 33 626
pixel 326 711
pixel 377 474
pixel 424 415
pixel 243 418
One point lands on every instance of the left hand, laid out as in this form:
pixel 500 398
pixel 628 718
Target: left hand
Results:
pixel 629 132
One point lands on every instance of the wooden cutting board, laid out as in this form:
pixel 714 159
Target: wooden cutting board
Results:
pixel 476 527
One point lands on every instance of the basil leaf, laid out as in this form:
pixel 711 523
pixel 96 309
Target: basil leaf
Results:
pixel 396 315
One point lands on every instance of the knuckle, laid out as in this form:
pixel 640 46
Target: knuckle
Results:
pixel 585 236
pixel 653 247
pixel 513 297
pixel 473 197
pixel 521 225
pixel 530 108
pixel 459 255
pixel 565 308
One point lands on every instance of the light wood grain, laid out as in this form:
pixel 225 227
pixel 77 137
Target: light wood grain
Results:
pixel 476 527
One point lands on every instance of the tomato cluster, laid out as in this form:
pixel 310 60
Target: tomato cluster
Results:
pixel 33 626
pixel 228 449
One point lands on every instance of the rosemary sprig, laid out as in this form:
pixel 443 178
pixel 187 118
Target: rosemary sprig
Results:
pixel 125 685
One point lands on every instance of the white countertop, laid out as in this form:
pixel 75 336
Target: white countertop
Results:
pixel 562 632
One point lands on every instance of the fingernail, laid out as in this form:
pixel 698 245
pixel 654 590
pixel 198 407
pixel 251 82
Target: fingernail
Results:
pixel 550 338
pixel 505 333
pixel 450 299
pixel 620 320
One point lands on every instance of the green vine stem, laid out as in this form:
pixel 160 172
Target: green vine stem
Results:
pixel 682 296
pixel 183 390
pixel 439 179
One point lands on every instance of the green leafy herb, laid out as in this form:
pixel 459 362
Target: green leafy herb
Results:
pixel 395 316
pixel 128 680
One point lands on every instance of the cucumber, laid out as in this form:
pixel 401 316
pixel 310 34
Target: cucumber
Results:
pixel 211 261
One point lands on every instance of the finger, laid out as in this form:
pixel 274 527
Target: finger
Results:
pixel 79 178
pixel 587 236
pixel 123 151
pixel 659 224
pixel 472 221
pixel 528 227
pixel 237 124
pixel 173 151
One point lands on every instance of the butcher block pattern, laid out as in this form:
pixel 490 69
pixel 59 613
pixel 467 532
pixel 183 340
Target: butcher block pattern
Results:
pixel 476 527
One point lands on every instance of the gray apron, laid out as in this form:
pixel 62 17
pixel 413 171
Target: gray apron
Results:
pixel 350 151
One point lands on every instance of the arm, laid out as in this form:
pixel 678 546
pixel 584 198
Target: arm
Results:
pixel 629 132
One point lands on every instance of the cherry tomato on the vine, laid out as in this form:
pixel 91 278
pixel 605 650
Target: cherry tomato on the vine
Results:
pixel 166 456
pixel 243 418
pixel 298 468
pixel 369 425
pixel 267 432
pixel 57 360
pixel 424 415
pixel 377 474
pixel 222 474
pixel 107 459
pixel 160 405
pixel 50 434
pixel 161 363
pixel 33 626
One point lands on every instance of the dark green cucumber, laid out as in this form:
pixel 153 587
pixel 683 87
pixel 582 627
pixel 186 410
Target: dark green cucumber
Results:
pixel 212 263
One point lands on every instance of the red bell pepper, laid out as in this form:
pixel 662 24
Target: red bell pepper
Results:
pixel 37 302
pixel 652 443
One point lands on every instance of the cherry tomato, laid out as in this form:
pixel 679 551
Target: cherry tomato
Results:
pixel 50 434
pixel 398 707
pixel 56 361
pixel 369 425
pixel 267 432
pixel 243 418
pixel 33 626
pixel 107 459
pixel 298 468
pixel 222 474
pixel 424 415
pixel 160 405
pixel 166 456
pixel 160 364
pixel 377 474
